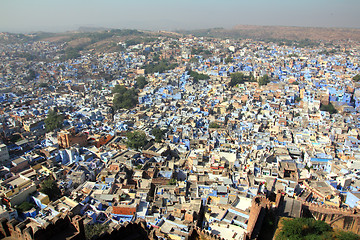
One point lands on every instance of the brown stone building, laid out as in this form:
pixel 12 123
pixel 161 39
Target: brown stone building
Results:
pixel 68 138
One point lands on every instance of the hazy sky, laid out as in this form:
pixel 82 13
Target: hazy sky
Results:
pixel 50 15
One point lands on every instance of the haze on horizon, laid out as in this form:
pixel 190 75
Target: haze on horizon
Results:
pixel 56 16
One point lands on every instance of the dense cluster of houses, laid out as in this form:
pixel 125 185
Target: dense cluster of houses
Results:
pixel 221 146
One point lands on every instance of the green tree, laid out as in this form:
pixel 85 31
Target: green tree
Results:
pixel 132 42
pixel 200 51
pixel 198 76
pixel 106 76
pixel 28 56
pixel 214 125
pixel 293 55
pixel 72 53
pixel 172 181
pixel 228 60
pixel 31 75
pixel 297 99
pixel 230 107
pixel 239 78
pixel 95 230
pixel 356 78
pixel 124 98
pixel 141 82
pixel 136 139
pixel 119 89
pixel 236 78
pixel 50 188
pixel 43 85
pixel 264 80
pixel 328 108
pixel 25 206
pixel 304 228
pixel 160 67
pixel 156 58
pixel 53 121
pixel 193 60
pixel 342 235
pixel 158 134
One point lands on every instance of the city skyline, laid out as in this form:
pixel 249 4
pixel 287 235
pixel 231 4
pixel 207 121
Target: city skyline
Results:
pixel 41 15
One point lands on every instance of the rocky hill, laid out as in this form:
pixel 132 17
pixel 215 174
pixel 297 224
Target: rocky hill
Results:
pixel 280 33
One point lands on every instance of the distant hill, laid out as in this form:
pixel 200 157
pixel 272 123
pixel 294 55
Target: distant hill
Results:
pixel 84 38
pixel 279 33
pixel 92 29
pixel 106 40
